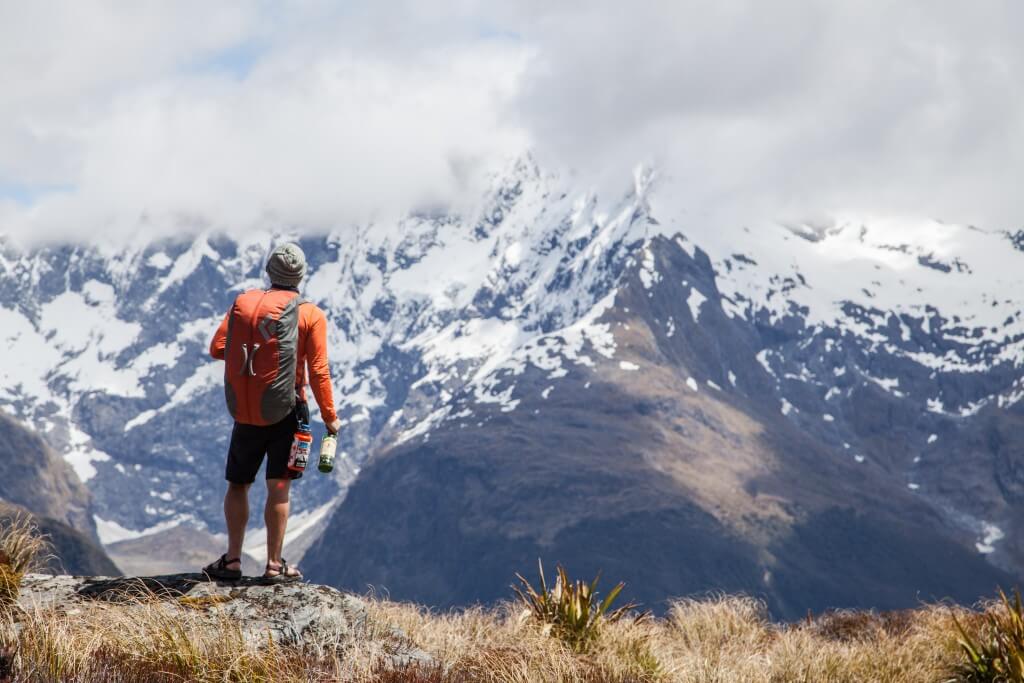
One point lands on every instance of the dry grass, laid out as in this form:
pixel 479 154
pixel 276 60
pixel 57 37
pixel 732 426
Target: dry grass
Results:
pixel 22 550
pixel 164 641
pixel 725 639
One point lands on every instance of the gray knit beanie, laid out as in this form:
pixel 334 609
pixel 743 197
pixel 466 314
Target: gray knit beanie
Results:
pixel 286 265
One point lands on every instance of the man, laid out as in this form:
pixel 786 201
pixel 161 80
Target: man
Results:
pixel 267 340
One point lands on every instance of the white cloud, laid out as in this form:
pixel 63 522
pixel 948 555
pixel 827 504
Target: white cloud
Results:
pixel 313 113
pixel 311 144
pixel 789 107
pixel 60 62
pixel 315 131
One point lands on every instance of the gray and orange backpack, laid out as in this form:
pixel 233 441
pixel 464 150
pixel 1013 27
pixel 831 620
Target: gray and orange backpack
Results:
pixel 260 356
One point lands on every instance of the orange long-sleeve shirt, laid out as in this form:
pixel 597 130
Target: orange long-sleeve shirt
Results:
pixel 312 354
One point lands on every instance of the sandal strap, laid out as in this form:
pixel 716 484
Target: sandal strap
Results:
pixel 282 570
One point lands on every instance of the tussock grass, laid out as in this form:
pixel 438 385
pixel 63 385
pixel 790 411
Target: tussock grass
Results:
pixel 721 639
pixel 164 642
pixel 23 549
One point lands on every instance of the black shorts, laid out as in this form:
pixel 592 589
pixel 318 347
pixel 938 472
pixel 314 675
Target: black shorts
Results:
pixel 249 443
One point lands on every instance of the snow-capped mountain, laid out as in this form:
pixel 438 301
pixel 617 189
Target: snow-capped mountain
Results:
pixel 894 345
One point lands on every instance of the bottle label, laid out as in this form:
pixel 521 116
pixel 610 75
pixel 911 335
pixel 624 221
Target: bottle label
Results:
pixel 299 455
pixel 327 448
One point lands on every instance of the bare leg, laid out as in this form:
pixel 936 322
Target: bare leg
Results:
pixel 236 515
pixel 276 517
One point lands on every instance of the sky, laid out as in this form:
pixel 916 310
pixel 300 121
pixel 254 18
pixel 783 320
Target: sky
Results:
pixel 119 119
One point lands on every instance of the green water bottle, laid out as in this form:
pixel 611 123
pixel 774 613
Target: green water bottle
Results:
pixel 327 447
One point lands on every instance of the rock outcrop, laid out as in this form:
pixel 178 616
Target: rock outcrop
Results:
pixel 290 614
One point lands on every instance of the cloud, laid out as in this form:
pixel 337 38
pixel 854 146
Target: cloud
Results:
pixel 306 113
pixel 787 107
pixel 302 127
pixel 301 144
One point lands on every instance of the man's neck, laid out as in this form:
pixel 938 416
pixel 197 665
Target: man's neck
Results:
pixel 285 287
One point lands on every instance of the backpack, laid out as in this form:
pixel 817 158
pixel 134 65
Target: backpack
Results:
pixel 260 356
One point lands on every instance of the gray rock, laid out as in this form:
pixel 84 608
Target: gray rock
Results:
pixel 291 614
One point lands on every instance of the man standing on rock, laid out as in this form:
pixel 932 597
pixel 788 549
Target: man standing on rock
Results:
pixel 267 340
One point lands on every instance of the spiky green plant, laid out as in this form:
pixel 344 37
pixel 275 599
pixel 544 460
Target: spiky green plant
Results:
pixel 570 610
pixel 997 654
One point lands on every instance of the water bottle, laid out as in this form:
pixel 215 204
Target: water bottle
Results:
pixel 327 447
pixel 299 455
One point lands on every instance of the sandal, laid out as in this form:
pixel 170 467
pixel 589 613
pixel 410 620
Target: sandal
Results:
pixel 284 573
pixel 219 569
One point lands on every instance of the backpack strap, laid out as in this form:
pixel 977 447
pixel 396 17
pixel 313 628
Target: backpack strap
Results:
pixel 298 388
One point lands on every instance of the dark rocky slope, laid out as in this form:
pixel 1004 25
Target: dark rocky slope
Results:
pixel 72 552
pixel 37 482
pixel 33 476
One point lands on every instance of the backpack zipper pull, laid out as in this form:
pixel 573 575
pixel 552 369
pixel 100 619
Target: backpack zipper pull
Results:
pixel 245 359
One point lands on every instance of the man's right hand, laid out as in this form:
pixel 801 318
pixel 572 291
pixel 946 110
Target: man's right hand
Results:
pixel 334 426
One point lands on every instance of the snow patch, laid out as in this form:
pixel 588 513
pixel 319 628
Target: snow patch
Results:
pixel 694 301
pixel 160 261
pixel 298 524
pixel 81 454
pixel 649 275
pixel 890 384
pixel 991 534
pixel 110 531
pixel 86 331
pixel 140 419
pixel 187 263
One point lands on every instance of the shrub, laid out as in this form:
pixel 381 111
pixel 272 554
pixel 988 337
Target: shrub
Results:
pixel 570 610
pixel 997 654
